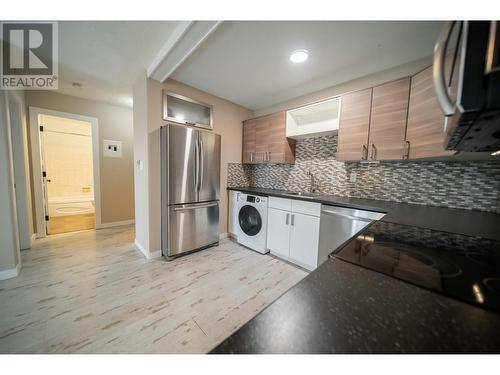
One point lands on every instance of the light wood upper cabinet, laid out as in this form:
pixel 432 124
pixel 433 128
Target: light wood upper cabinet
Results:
pixel 389 111
pixel 249 140
pixel 354 125
pixel 264 140
pixel 425 130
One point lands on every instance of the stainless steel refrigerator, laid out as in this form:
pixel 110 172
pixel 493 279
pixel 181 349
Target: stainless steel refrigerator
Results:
pixel 190 191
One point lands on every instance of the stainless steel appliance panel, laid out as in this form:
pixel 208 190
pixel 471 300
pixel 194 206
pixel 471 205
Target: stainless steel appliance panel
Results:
pixel 192 227
pixel 338 225
pixel 209 166
pixel 183 175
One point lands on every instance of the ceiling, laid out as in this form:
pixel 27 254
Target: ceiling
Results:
pixel 248 63
pixel 108 57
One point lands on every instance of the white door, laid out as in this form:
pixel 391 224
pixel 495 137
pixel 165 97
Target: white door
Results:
pixel 304 237
pixel 278 232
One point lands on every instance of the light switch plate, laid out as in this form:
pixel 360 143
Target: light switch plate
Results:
pixel 112 149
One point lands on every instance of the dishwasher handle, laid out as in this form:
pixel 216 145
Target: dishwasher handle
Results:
pixel 369 218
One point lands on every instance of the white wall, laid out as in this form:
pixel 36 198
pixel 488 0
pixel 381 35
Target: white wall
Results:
pixel 9 248
pixel 141 180
pixel 20 156
pixel 352 85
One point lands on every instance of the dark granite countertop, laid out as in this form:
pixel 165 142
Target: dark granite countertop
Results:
pixel 343 307
pixel 468 222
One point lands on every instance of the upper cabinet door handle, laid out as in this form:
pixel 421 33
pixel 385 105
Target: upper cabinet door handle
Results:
pixel 407 154
pixel 373 154
pixel 364 153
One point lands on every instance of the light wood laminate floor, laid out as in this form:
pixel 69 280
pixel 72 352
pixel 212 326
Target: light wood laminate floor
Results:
pixel 93 292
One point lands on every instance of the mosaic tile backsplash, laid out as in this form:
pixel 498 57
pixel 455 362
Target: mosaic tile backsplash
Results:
pixel 466 185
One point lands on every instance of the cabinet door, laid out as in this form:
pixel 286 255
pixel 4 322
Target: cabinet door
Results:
pixel 249 141
pixel 304 238
pixel 354 124
pixel 280 149
pixel 425 132
pixel 261 139
pixel 278 232
pixel 388 120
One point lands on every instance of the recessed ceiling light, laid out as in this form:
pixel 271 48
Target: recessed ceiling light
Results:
pixel 497 152
pixel 299 56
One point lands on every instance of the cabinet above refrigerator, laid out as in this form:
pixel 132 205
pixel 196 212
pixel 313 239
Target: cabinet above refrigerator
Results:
pixel 186 111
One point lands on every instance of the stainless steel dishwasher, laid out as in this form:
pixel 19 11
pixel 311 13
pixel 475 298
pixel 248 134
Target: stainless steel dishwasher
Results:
pixel 339 224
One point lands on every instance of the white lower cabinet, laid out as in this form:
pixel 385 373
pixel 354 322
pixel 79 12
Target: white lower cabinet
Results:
pixel 233 213
pixel 278 232
pixel 304 239
pixel 293 234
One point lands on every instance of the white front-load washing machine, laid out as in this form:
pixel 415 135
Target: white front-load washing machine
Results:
pixel 252 222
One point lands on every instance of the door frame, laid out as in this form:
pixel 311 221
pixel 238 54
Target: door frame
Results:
pixel 36 161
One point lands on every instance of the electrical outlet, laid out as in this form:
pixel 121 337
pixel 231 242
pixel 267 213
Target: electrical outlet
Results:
pixel 353 177
pixel 112 149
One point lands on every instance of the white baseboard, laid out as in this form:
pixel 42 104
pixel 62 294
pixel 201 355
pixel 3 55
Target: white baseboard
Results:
pixel 9 274
pixel 115 224
pixel 223 235
pixel 33 238
pixel 147 254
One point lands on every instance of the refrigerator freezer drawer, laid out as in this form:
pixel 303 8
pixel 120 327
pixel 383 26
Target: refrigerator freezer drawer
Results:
pixel 192 226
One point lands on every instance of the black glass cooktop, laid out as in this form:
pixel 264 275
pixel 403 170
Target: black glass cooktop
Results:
pixel 462 267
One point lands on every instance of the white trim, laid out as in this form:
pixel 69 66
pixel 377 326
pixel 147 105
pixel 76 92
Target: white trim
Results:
pixel 180 29
pixel 147 254
pixel 9 274
pixel 34 113
pixel 223 235
pixel 185 39
pixel 115 224
pixel 33 238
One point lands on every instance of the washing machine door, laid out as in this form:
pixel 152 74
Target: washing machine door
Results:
pixel 250 220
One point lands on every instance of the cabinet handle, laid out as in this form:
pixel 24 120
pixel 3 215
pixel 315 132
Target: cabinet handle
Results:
pixel 287 217
pixel 251 156
pixel 293 219
pixel 373 154
pixel 364 153
pixel 407 153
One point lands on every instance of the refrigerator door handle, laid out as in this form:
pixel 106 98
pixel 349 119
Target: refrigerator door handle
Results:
pixel 196 167
pixel 195 206
pixel 202 166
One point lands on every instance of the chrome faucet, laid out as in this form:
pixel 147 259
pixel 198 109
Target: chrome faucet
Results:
pixel 313 188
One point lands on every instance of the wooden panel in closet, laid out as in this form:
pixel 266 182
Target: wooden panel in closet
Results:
pixel 354 125
pixel 388 120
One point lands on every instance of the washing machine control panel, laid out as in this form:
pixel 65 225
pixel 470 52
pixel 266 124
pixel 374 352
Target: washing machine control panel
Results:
pixel 253 199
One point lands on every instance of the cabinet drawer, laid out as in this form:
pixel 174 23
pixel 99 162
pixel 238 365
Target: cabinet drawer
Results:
pixel 306 208
pixel 280 203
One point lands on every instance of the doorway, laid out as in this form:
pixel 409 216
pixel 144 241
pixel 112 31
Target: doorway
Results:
pixel 66 155
pixel 67 197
